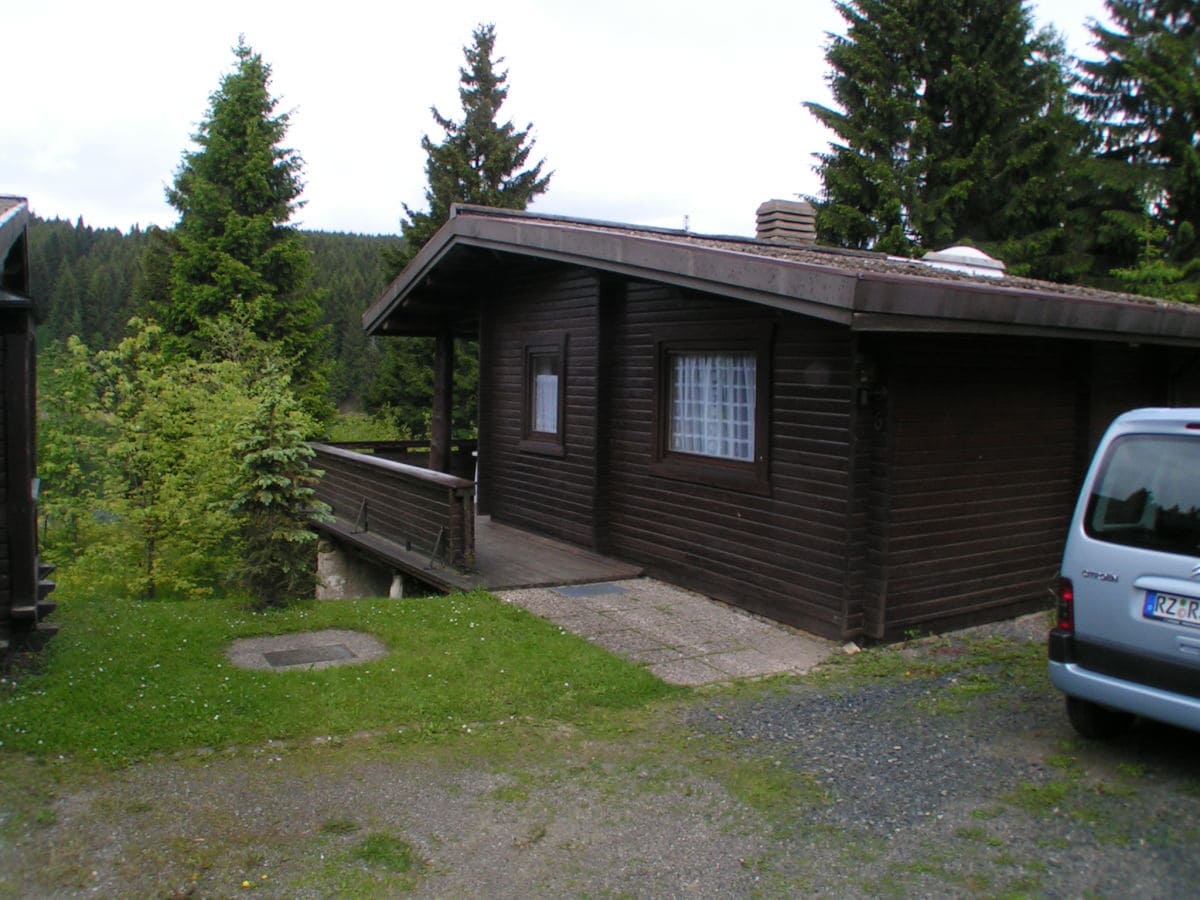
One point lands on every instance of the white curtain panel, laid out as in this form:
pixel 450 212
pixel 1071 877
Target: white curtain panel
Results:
pixel 712 404
pixel 545 410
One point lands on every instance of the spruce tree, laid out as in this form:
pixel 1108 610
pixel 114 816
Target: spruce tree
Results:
pixel 480 161
pixel 276 499
pixel 953 124
pixel 1144 92
pixel 235 195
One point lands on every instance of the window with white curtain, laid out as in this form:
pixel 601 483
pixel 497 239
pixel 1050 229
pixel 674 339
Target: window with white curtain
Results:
pixel 712 404
pixel 543 412
pixel 543 403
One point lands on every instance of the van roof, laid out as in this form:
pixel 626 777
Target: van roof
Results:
pixel 1176 415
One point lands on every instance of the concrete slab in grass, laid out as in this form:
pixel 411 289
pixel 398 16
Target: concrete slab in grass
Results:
pixel 305 650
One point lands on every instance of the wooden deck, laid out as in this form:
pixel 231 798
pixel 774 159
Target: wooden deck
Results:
pixel 505 558
pixel 422 523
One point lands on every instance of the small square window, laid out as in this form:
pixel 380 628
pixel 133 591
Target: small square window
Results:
pixel 544 405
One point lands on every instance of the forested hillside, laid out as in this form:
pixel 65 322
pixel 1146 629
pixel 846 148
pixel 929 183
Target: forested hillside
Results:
pixel 83 279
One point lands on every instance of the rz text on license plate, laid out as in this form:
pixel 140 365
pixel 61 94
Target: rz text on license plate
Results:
pixel 1184 610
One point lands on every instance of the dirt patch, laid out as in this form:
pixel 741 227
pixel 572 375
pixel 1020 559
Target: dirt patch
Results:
pixel 305 650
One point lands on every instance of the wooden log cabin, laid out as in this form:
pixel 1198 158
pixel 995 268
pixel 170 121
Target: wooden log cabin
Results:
pixel 855 445
pixel 24 583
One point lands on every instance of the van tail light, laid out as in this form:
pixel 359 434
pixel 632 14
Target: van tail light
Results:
pixel 1066 606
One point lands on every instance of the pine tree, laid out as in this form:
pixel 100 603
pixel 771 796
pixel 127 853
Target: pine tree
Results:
pixel 235 195
pixel 479 160
pixel 954 125
pixel 1145 93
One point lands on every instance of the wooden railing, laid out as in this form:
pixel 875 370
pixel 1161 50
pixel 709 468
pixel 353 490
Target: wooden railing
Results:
pixel 416 453
pixel 397 509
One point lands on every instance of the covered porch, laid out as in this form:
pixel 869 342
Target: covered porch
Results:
pixel 393 510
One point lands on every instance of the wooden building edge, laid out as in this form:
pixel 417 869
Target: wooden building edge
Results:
pixel 919 434
pixel 24 579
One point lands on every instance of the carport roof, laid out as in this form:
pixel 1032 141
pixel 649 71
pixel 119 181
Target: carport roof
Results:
pixel 867 292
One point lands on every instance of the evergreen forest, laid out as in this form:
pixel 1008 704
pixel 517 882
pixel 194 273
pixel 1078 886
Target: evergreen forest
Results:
pixel 83 279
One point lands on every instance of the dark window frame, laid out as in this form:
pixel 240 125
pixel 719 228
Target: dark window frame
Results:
pixel 544 443
pixel 749 476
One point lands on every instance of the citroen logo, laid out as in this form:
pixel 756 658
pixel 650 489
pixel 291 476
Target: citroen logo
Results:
pixel 1196 571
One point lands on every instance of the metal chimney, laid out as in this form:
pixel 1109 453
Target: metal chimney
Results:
pixel 787 222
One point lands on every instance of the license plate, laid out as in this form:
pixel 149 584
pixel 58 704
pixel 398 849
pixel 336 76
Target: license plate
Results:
pixel 1172 608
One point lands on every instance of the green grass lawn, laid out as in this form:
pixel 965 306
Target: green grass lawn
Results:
pixel 124 679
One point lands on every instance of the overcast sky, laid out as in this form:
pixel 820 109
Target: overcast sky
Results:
pixel 647 111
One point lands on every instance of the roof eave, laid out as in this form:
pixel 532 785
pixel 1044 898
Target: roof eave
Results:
pixel 413 274
pixel 867 301
pixel 891 304
pixel 817 291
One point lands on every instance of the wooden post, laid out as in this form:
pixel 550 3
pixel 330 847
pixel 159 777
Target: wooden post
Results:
pixel 443 400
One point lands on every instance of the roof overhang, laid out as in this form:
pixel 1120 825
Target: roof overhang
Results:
pixel 864 294
pixel 14 252
pixel 14 219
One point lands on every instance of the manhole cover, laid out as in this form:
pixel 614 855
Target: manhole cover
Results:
pixel 307 649
pixel 590 590
pixel 306 655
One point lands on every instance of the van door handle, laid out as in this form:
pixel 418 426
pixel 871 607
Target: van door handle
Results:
pixel 1191 646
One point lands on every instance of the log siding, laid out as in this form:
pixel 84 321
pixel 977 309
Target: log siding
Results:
pixel 982 477
pixel 527 487
pixel 780 553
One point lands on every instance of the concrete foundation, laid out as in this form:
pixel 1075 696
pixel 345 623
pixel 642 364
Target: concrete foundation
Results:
pixel 342 574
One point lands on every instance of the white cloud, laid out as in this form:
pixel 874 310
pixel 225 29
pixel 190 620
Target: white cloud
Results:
pixel 647 111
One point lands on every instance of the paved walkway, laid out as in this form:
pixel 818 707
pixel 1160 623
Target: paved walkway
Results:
pixel 683 638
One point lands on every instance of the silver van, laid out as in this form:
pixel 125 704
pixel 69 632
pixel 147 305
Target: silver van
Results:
pixel 1127 637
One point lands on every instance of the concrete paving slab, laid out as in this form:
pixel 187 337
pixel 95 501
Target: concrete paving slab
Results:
pixel 684 637
pixel 746 663
pixel 587 622
pixel 631 642
pixel 689 672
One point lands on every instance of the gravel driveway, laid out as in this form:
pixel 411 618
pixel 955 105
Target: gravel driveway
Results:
pixel 942 769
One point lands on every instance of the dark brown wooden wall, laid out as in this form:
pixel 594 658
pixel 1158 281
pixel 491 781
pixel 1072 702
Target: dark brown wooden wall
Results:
pixel 5 530
pixel 1123 378
pixel 553 495
pixel 985 459
pixel 935 492
pixel 783 555
pixel 18 538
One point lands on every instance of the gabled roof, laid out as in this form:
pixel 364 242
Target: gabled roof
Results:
pixel 865 291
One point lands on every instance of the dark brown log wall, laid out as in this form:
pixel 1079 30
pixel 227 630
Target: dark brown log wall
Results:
pixel 546 493
pixel 985 461
pixel 18 559
pixel 783 555
pixel 866 546
pixel 1123 378
pixel 5 530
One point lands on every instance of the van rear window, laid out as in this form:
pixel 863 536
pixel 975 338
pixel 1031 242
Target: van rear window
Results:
pixel 1148 494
